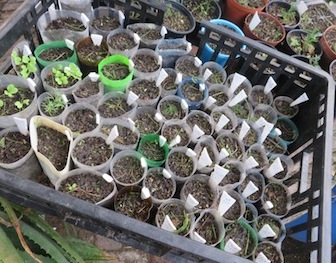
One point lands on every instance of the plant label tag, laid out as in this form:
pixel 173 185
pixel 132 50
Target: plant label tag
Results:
pixel 196 133
pixel 250 189
pixel 70 44
pixel 93 76
pixel 223 154
pixel 121 17
pixel 261 258
pixel 31 84
pixel 178 78
pixel 301 7
pixel 160 60
pixel 266 231
pixel 269 205
pixel 218 174
pixel 189 47
pixel 158 117
pixel 131 98
pixel 162 76
pixel 261 122
pixel 255 21
pixel 190 153
pixel 175 141
pixel 97 118
pixel 22 125
pixel 143 162
pixel 223 120
pixel 166 174
pixel 250 163
pixel 131 65
pixel 266 131
pixel 201 86
pixel 238 98
pixel 184 104
pixel 299 100
pixel 108 178
pixel 197 62
pixel 236 82
pixel 197 237
pixel 207 74
pixel 191 202
pixel 85 20
pixel 114 133
pixel 204 159
pixel 168 224
pixel 209 102
pixel 131 124
pixel 278 131
pixel 96 39
pixel 162 140
pixel 275 168
pixel 163 31
pixel 26 50
pixel 225 203
pixel 270 84
pixel 68 135
pixel 145 193
pixel 231 247
pixel 243 130
pixel 136 38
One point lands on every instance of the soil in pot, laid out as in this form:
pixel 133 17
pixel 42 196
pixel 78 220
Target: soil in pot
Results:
pixel 269 251
pixel 251 3
pixel 216 115
pixel 259 97
pixel 69 23
pixel 92 151
pixel 231 145
pixel 273 223
pixel 125 137
pixel 145 63
pixel 232 177
pixel 283 106
pixel 273 145
pixel 169 83
pixel 288 16
pixel 81 120
pixel 54 145
pixel 208 229
pixel 160 187
pixel 115 71
pixel 220 96
pixel 257 182
pixel 145 89
pixel 250 138
pixel 60 79
pixel 122 41
pixel 187 68
pixel 146 123
pixel 201 9
pixel 201 121
pixel 56 54
pixel 87 187
pixel 257 154
pixel 288 133
pixel 14 99
pixel 249 214
pixel 114 107
pixel 201 191
pixel 170 132
pixel 216 77
pixel 128 170
pixel 278 196
pixel 283 173
pixel 234 212
pixel 192 92
pixel 106 23
pixel 148 33
pixel 92 53
pixel 13 146
pixel 241 110
pixel 304 44
pixel 172 110
pixel 180 164
pixel 88 89
pixel 152 150
pixel 175 20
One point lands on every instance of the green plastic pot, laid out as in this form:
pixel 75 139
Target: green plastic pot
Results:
pixel 115 85
pixel 153 137
pixel 50 45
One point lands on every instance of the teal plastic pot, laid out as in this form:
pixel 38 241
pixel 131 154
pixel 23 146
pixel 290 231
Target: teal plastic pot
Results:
pixel 154 138
pixel 292 126
pixel 115 85
pixel 208 51
pixel 50 45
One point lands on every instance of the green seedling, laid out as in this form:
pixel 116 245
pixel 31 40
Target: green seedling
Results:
pixel 27 64
pixel 63 75
pixel 21 104
pixel 71 187
pixel 2 142
pixel 11 90
pixel 52 105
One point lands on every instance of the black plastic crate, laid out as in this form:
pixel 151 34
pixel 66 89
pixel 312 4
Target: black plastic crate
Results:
pixel 312 152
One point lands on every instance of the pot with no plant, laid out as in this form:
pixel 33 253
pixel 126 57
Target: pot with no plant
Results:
pixel 200 123
pixel 268 250
pixel 289 131
pixel 189 66
pixel 258 96
pixel 282 106
pixel 252 188
pixel 270 228
pixel 17 155
pixel 51 143
pixel 52 106
pixel 150 34
pixel 161 185
pixel 172 129
pixel 328 42
pixel 18 99
pixel 128 168
pixel 286 13
pixel 147 64
pixel 172 108
pixel 133 202
pixel 208 228
pixel 123 42
pixel 147 120
pixel 88 185
pixel 146 91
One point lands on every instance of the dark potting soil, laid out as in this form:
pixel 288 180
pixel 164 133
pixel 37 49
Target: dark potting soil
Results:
pixel 81 120
pixel 173 47
pixel 126 136
pixel 201 121
pixel 115 71
pixel 160 187
pixel 24 96
pixel 201 9
pixel 114 107
pixel 145 63
pixel 208 229
pixel 257 182
pixel 287 131
pixel 146 123
pixel 145 89
pixel 249 215
pixel 273 223
pixel 257 154
pixel 286 16
pixel 267 30
pixel 122 41
pixel 269 251
pixel 252 3
pixel 267 113
pixel 201 191
pixel 272 145
pixel 87 187
pixel 234 212
pixel 170 132
pixel 69 23
pixel 172 110
pixel 284 107
pixel 233 176
pixel 88 89
pixel 180 164
pixel 187 68
pixel 282 174
pixel 216 117
pixel 175 20
pixel 54 145
pixel 169 83
pixel 220 97
pixel 13 147
pixel 250 138
pixel 216 77
pixel 56 54
pixel 244 86
pixel 106 23
pixel 92 53
pixel 152 150
pixel 278 197
pixel 92 151
pixel 259 97
pixel 331 39
pixel 231 145
pixel 148 33
pixel 128 170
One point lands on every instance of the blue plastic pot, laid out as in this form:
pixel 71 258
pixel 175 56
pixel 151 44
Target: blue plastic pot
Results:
pixel 208 51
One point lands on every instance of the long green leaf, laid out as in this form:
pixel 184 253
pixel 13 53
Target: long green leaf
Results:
pixel 29 259
pixel 8 252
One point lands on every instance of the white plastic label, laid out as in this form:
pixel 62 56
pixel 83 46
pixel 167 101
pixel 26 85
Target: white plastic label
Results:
pixel 204 160
pixel 270 84
pixel 255 21
pixel 250 189
pixel 93 76
pixel 261 122
pixel 121 18
pixel 198 238
pixel 207 74
pixel 162 140
pixel 278 131
pixel 163 31
pixel 238 98
pixel 301 7
pixel 196 133
pixel 218 174
pixel 231 247
pixel 143 162
pixel 166 174
pixel 201 86
pixel 225 203
pixel 131 65
pixel 108 178
pixel 275 168
pixel 96 39
pixel 26 50
pixel 197 62
pixel 243 130
pixel 97 118
pixel 168 224
pixel 267 129
pixel 131 98
pixel 85 19
pixel 160 60
pixel 236 81
pixel 67 133
pixel 261 258
pixel 223 154
pixel 209 102
pixel 162 76
pixel 266 231
pixel 191 202
pixel 132 124
pixel 145 193
pixel 114 133
pixel 189 47
pixel 250 163
pixel 175 141
pixel 70 44
pixel 223 120
pixel 269 205
pixel 136 38
pixel 178 78
pixel 158 117
pixel 22 125
pixel 190 153
pixel 184 104
pixel 31 85
pixel 299 100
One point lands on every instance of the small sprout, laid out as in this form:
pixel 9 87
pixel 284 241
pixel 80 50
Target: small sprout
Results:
pixel 2 142
pixel 1 103
pixel 21 104
pixel 11 90
pixel 26 64
pixel 72 187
